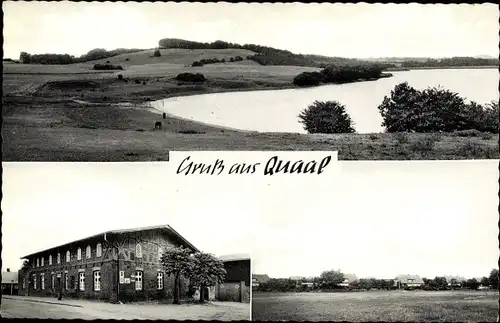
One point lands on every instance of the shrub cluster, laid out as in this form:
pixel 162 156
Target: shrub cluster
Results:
pixel 338 75
pixel 206 61
pixel 326 117
pixel 107 67
pixel 191 77
pixel 62 59
pixel 435 110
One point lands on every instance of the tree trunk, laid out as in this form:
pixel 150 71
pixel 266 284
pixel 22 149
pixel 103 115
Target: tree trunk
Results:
pixel 202 294
pixel 176 289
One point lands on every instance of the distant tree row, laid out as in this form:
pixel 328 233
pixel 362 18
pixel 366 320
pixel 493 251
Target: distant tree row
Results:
pixel 453 61
pixel 409 110
pixel 267 55
pixel 340 74
pixel 62 59
pixel 206 61
pixel 331 280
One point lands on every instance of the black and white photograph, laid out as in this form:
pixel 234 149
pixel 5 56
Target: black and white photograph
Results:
pixel 98 244
pixel 382 242
pixel 130 81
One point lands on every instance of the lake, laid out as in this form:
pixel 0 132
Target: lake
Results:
pixel 277 110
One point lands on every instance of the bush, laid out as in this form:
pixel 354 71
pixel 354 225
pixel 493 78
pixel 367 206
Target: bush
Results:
pixel 308 79
pixel 120 77
pixel 137 82
pixel 196 63
pixel 326 117
pixel 157 53
pixel 435 110
pixel 191 77
pixel 107 67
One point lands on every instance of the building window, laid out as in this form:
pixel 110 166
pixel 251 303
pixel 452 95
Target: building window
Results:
pixel 42 261
pixel 98 250
pixel 34 281
pixel 58 258
pixel 88 252
pixel 79 254
pixel 160 253
pixel 82 281
pixel 97 280
pixel 50 260
pixel 68 256
pixel 159 280
pixel 138 251
pixel 66 281
pixel 138 280
pixel 42 281
pixel 37 262
pixel 53 283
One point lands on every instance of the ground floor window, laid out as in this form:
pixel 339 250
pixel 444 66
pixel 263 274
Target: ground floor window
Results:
pixel 138 280
pixel 159 280
pixel 34 281
pixel 97 280
pixel 66 281
pixel 42 281
pixel 53 284
pixel 82 281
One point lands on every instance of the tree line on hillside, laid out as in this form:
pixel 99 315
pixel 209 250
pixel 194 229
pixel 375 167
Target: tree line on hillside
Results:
pixel 340 74
pixel 266 55
pixel 452 61
pixel 333 280
pixel 63 59
pixel 206 61
pixel 433 110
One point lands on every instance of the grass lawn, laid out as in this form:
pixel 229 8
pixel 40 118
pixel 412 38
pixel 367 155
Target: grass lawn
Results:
pixel 446 306
pixel 42 121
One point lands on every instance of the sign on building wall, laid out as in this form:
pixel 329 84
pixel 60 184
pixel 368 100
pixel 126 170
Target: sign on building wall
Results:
pixel 122 277
pixel 127 280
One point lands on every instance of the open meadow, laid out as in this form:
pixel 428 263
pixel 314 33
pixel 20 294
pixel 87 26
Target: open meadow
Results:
pixel 74 113
pixel 389 306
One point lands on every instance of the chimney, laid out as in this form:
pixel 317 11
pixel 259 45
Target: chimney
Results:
pixel 8 270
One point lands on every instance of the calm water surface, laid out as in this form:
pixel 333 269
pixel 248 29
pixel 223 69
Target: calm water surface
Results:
pixel 277 110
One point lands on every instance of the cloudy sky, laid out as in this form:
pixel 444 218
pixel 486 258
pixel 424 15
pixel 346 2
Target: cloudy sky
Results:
pixel 368 218
pixel 349 30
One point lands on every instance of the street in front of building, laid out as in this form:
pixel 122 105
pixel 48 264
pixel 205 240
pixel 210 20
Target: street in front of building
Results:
pixel 47 308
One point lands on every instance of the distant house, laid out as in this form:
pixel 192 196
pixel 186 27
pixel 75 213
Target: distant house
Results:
pixel 297 278
pixel 307 284
pixel 348 280
pixel 259 279
pixel 9 282
pixel 408 281
pixel 455 281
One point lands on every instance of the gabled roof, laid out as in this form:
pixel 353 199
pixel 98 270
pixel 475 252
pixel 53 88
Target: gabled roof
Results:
pixel 8 277
pixel 234 257
pixel 261 278
pixel 409 279
pixel 167 228
pixel 350 277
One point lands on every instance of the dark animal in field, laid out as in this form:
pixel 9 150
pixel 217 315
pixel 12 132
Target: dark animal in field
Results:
pixel 164 115
pixel 158 125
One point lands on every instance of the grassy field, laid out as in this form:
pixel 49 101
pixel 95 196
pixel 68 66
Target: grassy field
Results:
pixel 73 113
pixel 389 306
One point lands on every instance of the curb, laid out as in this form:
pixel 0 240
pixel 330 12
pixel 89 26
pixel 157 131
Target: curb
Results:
pixel 38 301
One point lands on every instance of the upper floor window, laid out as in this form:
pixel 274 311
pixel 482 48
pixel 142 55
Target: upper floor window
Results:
pixel 58 258
pixel 42 261
pixel 160 253
pixel 138 251
pixel 38 262
pixel 50 260
pixel 79 254
pixel 68 256
pixel 88 252
pixel 98 250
